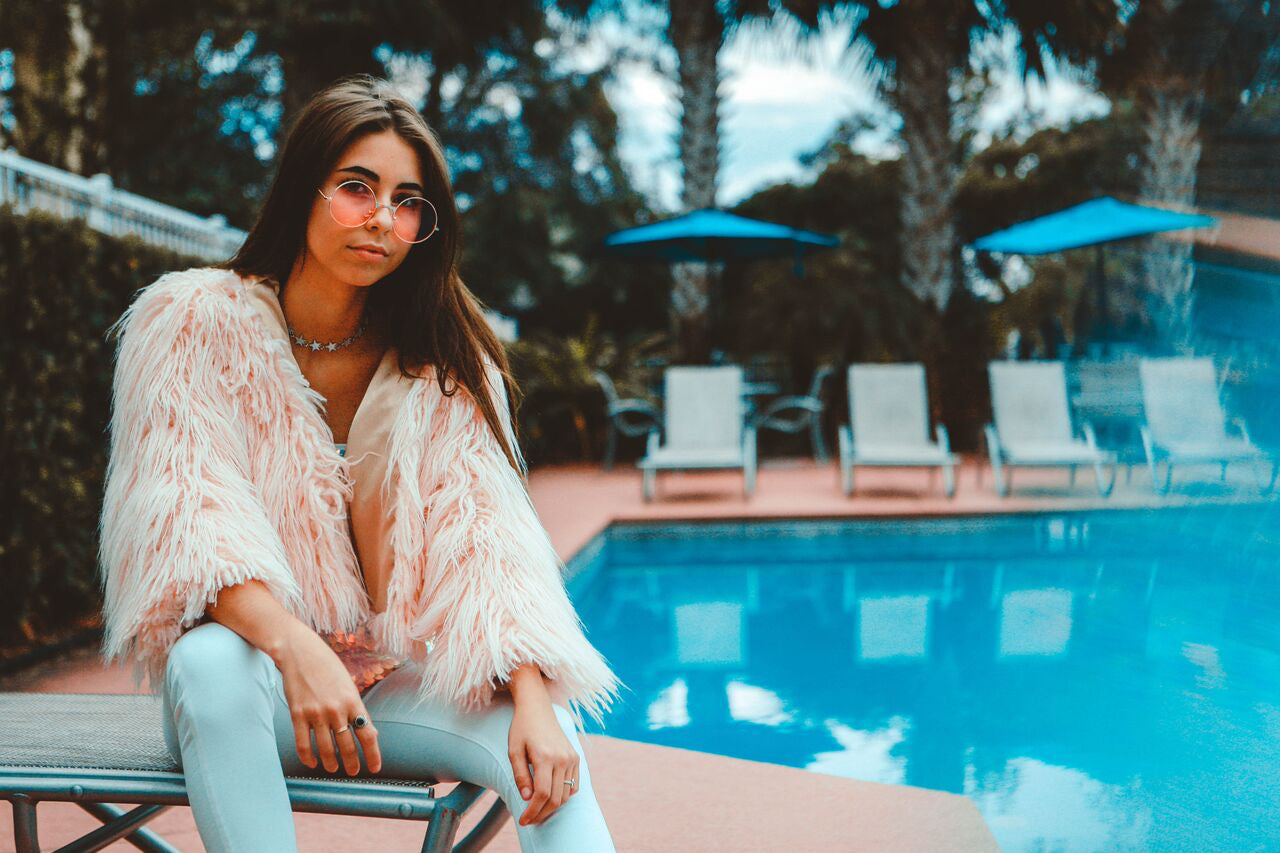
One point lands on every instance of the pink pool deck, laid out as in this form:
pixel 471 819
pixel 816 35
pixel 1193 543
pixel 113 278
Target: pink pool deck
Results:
pixel 577 501
pixel 662 799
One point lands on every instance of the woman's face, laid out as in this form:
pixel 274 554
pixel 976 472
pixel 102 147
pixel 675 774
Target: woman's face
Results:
pixel 390 167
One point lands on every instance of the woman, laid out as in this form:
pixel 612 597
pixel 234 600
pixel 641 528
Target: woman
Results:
pixel 316 537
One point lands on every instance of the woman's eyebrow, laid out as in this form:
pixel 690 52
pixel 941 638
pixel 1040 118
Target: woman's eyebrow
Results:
pixel 373 176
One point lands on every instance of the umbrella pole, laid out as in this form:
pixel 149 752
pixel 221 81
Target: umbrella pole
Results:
pixel 715 310
pixel 1100 273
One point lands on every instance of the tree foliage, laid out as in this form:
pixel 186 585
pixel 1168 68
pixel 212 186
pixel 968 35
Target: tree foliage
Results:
pixel 190 110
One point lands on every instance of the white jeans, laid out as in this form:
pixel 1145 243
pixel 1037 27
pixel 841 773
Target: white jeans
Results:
pixel 228 726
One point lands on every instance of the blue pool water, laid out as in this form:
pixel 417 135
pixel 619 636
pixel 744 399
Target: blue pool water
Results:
pixel 1093 681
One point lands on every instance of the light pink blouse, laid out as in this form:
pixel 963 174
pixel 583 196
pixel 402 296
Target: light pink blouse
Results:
pixel 366 454
pixel 358 651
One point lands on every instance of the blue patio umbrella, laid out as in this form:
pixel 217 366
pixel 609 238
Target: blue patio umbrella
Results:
pixel 708 234
pixel 1093 223
pixel 714 235
pixel 1101 220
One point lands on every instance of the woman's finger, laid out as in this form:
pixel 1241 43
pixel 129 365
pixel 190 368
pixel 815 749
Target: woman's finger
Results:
pixel 542 772
pixel 302 739
pixel 520 769
pixel 346 741
pixel 558 787
pixel 324 746
pixel 368 737
pixel 570 790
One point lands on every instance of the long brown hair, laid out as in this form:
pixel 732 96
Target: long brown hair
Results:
pixel 422 307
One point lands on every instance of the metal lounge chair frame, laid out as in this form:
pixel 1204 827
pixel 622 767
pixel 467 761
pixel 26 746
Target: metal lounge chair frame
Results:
pixel 889 424
pixel 618 410
pixel 796 412
pixel 99 750
pixel 704 426
pixel 1186 424
pixel 1032 427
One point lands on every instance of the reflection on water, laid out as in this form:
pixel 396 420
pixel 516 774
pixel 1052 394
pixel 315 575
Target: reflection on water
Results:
pixel 1095 681
pixel 865 754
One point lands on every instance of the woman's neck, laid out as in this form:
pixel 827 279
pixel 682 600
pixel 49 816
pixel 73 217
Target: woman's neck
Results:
pixel 319 306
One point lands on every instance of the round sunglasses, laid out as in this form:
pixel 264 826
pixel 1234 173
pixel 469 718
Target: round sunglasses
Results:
pixel 354 203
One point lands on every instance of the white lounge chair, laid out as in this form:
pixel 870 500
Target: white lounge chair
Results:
pixel 704 425
pixel 1185 423
pixel 889 424
pixel 1032 426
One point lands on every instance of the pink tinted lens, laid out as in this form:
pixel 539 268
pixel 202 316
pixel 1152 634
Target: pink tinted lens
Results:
pixel 352 204
pixel 415 219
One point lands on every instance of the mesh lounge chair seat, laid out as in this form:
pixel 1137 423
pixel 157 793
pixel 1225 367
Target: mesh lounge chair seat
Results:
pixel 680 457
pixel 1033 425
pixel 704 426
pixel 889 424
pixel 1032 453
pixel 98 750
pixel 904 455
pixel 1228 449
pixel 1186 423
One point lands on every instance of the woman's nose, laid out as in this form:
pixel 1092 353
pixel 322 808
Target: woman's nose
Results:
pixel 382 217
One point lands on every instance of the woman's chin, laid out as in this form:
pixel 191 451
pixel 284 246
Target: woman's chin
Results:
pixel 360 274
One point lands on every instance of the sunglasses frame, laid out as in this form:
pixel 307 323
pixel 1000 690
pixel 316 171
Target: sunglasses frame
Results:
pixel 378 205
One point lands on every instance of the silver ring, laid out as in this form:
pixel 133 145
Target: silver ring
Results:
pixel 571 782
pixel 360 721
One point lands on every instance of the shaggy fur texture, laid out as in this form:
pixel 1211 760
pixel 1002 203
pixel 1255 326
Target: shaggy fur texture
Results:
pixel 222 469
pixel 481 585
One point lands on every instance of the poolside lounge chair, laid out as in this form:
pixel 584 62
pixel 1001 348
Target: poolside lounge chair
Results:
pixel 1185 423
pixel 1033 425
pixel 801 411
pixel 99 750
pixel 704 426
pixel 889 424
pixel 645 416
pixel 1108 394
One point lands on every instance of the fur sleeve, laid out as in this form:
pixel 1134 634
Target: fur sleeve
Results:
pixel 479 588
pixel 180 518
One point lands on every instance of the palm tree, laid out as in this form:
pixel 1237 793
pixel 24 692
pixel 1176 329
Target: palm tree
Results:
pixel 1182 61
pixel 697 30
pixel 919 49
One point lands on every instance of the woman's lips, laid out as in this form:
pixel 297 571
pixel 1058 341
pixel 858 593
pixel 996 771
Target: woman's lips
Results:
pixel 366 254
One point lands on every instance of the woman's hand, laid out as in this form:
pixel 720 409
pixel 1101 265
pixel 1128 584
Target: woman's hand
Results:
pixel 322 696
pixel 317 687
pixel 536 739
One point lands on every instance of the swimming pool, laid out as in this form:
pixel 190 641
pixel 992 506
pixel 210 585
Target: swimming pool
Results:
pixel 1093 681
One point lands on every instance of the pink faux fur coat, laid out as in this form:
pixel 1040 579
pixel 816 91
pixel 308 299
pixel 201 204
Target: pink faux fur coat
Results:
pixel 222 469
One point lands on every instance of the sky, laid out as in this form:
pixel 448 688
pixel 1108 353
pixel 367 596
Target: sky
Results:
pixel 783 96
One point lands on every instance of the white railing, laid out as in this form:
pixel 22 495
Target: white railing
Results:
pixel 28 185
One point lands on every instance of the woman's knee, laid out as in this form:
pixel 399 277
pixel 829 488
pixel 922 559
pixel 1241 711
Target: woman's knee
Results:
pixel 211 667
pixel 569 727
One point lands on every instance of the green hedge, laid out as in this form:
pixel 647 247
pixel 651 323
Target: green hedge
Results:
pixel 61 285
